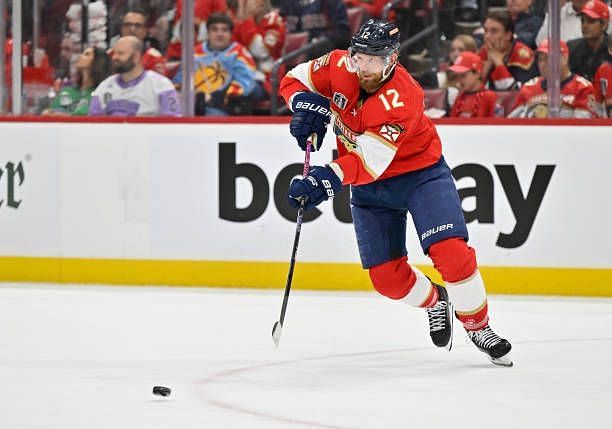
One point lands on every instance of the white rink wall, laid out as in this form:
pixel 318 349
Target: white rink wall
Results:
pixel 534 196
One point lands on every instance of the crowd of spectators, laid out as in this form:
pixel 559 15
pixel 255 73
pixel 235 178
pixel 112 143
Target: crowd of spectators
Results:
pixel 130 62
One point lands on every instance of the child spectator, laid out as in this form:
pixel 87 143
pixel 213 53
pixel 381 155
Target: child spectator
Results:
pixel 93 66
pixel 577 93
pixel 602 84
pixel 262 31
pixel 224 70
pixel 133 91
pixel 474 101
pixel 449 79
pixel 507 63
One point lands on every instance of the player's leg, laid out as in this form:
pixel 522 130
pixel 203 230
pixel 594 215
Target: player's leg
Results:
pixel 381 235
pixel 439 221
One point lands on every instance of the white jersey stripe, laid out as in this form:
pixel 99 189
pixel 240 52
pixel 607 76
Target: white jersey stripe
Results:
pixel 301 72
pixel 375 153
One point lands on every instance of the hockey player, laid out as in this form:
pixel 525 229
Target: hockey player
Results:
pixel 390 154
pixel 474 101
pixel 577 93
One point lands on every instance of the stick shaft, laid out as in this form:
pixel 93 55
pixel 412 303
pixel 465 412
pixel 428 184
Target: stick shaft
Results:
pixel 296 239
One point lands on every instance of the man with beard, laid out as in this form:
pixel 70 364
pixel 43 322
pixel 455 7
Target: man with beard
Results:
pixel 390 154
pixel 133 91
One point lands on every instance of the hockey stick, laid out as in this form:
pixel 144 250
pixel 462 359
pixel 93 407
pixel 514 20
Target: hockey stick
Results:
pixel 278 326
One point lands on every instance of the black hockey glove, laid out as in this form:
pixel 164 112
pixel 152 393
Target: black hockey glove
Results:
pixel 321 184
pixel 311 115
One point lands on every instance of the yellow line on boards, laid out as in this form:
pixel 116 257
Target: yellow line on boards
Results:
pixel 308 275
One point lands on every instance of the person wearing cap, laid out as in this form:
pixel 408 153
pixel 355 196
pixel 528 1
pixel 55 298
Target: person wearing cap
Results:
pixel 577 93
pixel 590 51
pixel 603 84
pixel 569 22
pixel 474 101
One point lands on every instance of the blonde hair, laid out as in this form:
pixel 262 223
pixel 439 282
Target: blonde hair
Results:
pixel 468 41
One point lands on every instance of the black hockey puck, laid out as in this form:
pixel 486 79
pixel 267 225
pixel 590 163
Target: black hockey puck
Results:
pixel 161 391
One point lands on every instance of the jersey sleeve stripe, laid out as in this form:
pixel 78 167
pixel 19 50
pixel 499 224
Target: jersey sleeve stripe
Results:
pixel 375 153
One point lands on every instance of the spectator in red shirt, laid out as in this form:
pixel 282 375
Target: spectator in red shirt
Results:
pixel 507 63
pixel 474 101
pixel 603 84
pixel 577 93
pixel 261 30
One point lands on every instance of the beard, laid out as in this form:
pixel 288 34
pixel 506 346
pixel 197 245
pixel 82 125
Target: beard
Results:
pixel 372 83
pixel 124 66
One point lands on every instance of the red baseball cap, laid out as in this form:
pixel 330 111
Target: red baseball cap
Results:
pixel 543 47
pixel 467 61
pixel 596 9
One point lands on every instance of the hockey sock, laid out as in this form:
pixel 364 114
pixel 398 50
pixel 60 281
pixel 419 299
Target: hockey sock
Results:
pixel 398 280
pixel 470 300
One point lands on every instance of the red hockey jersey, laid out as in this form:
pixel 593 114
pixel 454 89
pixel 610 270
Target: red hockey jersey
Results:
pixel 264 39
pixel 602 83
pixel 152 59
pixel 378 135
pixel 479 104
pixel 519 66
pixel 577 99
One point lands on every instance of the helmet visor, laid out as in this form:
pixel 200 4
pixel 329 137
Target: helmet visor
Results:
pixel 367 64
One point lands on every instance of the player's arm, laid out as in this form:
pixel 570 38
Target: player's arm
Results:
pixel 306 89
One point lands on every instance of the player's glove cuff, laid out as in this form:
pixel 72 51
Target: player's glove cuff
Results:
pixel 311 115
pixel 320 185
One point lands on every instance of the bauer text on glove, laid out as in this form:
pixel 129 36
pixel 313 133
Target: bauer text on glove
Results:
pixel 311 115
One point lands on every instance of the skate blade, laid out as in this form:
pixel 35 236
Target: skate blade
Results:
pixel 502 361
pixel 449 346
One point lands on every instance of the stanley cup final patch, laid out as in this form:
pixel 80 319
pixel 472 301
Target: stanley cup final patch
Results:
pixel 390 132
pixel 339 100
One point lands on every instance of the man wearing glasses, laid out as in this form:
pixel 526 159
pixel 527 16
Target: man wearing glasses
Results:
pixel 134 24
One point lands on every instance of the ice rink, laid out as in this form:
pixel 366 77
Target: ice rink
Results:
pixel 88 357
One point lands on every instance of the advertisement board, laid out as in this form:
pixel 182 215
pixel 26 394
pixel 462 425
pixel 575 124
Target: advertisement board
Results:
pixel 194 203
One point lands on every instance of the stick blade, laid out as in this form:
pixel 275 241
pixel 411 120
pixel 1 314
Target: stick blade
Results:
pixel 276 332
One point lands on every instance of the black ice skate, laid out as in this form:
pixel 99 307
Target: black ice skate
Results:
pixel 441 320
pixel 496 348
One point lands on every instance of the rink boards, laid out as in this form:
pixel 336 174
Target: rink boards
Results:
pixel 204 204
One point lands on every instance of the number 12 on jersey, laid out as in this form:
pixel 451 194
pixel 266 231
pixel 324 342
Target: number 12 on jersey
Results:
pixel 394 99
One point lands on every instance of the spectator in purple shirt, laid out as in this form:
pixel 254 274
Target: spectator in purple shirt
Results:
pixel 133 91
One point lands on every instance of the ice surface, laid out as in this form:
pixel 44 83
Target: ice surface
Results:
pixel 88 357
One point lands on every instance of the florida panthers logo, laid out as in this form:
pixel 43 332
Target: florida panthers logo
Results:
pixel 211 77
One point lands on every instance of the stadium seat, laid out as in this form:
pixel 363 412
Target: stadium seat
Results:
pixel 435 98
pixel 355 16
pixel 294 41
pixel 506 100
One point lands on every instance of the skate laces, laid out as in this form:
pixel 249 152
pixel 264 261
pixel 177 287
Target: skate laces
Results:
pixel 437 316
pixel 484 337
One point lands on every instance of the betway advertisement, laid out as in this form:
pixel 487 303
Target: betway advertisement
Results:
pixel 532 195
